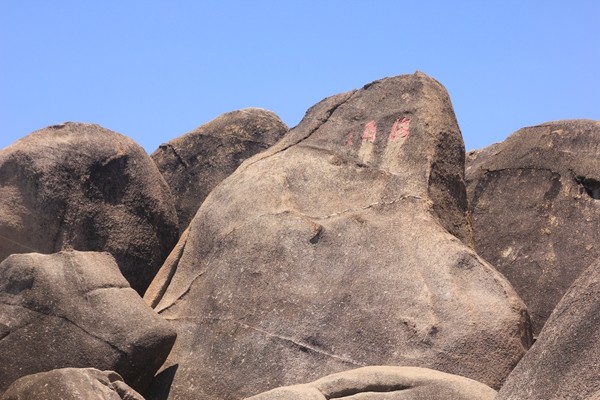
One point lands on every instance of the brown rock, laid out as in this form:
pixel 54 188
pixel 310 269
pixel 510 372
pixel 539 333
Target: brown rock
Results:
pixel 71 384
pixel 193 164
pixel 563 362
pixel 535 208
pixel 330 251
pixel 75 309
pixel 83 187
pixel 385 383
pixel 595 396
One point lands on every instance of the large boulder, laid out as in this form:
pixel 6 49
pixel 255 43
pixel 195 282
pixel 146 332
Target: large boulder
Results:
pixel 534 201
pixel 336 249
pixel 193 164
pixel 83 187
pixel 75 309
pixel 71 384
pixel 563 362
pixel 385 383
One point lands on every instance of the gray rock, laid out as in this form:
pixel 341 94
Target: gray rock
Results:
pixel 75 309
pixel 193 164
pixel 83 187
pixel 385 383
pixel 334 249
pixel 71 384
pixel 563 362
pixel 534 201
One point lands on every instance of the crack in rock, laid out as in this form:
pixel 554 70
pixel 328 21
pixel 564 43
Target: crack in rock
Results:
pixel 114 347
pixel 293 341
pixel 174 150
pixel 345 211
pixel 19 244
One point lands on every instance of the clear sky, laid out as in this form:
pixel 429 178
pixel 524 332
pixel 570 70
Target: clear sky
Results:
pixel 154 70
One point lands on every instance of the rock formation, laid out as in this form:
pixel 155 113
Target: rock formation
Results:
pixel 337 248
pixel 385 383
pixel 313 254
pixel 71 384
pixel 75 309
pixel 563 362
pixel 193 164
pixel 83 187
pixel 535 206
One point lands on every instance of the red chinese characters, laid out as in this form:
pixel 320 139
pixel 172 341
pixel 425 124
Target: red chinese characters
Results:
pixel 400 129
pixel 370 131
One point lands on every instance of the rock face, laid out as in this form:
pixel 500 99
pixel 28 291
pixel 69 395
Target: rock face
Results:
pixel 385 383
pixel 563 362
pixel 71 384
pixel 331 251
pixel 83 187
pixel 75 309
pixel 534 201
pixel 196 162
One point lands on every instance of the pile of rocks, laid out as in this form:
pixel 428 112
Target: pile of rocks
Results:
pixel 351 251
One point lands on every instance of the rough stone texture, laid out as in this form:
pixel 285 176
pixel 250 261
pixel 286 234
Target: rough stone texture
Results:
pixel 329 251
pixel 595 396
pixel 563 362
pixel 193 164
pixel 71 384
pixel 534 201
pixel 385 383
pixel 75 309
pixel 83 187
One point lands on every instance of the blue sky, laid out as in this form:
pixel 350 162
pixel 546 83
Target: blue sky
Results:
pixel 154 70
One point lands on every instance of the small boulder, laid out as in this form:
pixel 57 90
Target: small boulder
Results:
pixel 385 383
pixel 193 164
pixel 71 384
pixel 535 207
pixel 563 362
pixel 83 187
pixel 75 309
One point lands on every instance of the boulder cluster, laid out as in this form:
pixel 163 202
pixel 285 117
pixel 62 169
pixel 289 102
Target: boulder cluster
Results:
pixel 359 255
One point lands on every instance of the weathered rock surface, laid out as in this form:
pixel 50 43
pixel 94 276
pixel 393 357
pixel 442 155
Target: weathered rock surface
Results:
pixel 563 362
pixel 71 384
pixel 83 187
pixel 331 250
pixel 595 396
pixel 534 201
pixel 75 309
pixel 385 383
pixel 193 164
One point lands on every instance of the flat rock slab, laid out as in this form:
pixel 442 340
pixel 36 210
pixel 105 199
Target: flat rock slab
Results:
pixel 75 309
pixel 83 187
pixel 385 383
pixel 193 164
pixel 71 384
pixel 563 362
pixel 337 248
pixel 535 206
